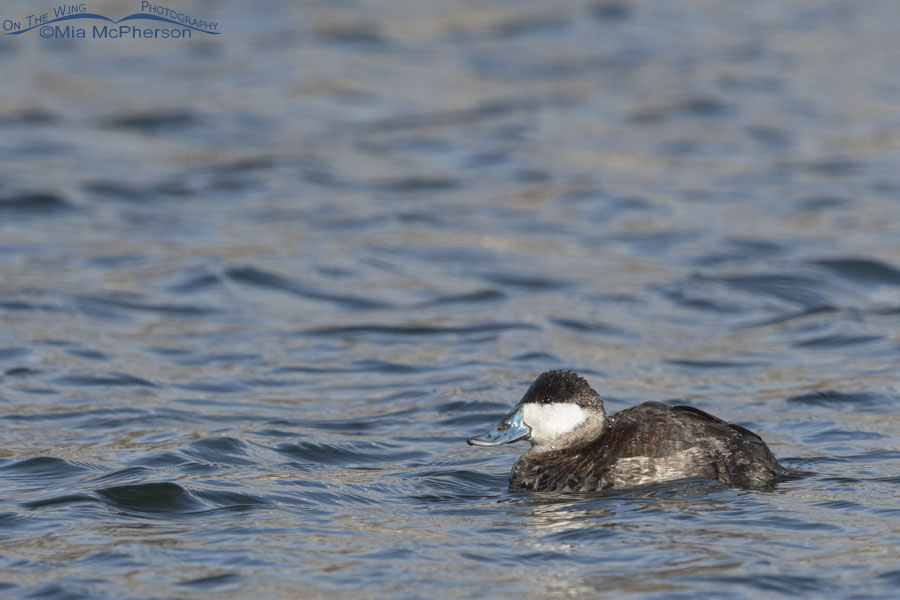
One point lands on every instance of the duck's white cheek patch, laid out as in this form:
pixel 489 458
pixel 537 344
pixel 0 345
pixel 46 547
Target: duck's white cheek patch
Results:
pixel 549 421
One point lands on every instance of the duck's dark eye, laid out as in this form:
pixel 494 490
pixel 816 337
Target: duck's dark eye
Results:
pixel 547 400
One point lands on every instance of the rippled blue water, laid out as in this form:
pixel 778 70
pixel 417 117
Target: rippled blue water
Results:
pixel 257 289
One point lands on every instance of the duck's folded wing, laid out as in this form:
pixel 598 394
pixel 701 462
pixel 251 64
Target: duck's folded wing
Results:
pixel 705 416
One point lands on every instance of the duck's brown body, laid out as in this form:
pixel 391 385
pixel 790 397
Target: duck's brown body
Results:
pixel 651 443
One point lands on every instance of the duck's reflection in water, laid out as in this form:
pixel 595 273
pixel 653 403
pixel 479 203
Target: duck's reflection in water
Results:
pixel 645 524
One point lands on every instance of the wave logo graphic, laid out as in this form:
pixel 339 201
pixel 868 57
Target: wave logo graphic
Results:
pixel 73 12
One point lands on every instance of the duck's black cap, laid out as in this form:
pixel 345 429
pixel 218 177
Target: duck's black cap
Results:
pixel 562 386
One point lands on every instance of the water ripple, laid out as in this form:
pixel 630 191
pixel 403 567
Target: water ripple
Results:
pixel 833 399
pixel 271 281
pixel 347 453
pixel 34 204
pixel 416 330
pixel 41 467
pixel 863 271
pixel 113 379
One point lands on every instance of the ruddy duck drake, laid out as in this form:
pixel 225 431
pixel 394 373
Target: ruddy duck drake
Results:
pixel 575 447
